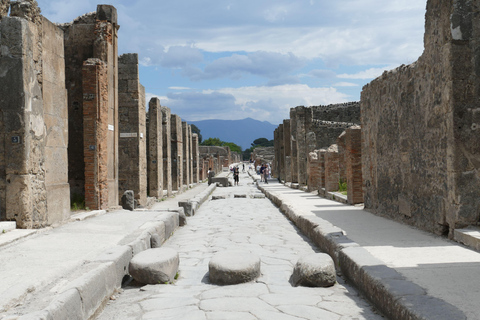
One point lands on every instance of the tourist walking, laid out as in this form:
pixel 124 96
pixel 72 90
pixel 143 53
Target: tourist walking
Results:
pixel 236 172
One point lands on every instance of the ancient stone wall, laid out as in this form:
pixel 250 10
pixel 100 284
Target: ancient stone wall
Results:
pixel 342 157
pixel 331 169
pixel 313 171
pixel 92 35
pixel 177 151
pixel 287 143
pixel 155 149
pixel 33 117
pixel 421 152
pixel 132 171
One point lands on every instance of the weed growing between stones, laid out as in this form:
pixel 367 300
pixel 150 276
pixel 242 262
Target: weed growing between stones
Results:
pixel 77 202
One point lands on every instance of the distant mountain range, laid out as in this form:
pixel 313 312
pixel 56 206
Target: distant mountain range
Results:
pixel 241 132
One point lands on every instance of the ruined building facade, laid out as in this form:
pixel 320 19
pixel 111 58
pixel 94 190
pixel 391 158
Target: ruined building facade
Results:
pixel 415 157
pixel 73 120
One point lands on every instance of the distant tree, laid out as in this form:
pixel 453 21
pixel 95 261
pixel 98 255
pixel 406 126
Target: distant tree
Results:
pixel 212 142
pixel 197 131
pixel 262 142
pixel 219 143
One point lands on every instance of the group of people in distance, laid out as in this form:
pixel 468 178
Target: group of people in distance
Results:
pixel 263 171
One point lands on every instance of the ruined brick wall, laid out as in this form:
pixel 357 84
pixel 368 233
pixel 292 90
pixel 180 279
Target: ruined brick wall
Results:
pixel 167 150
pixel 33 116
pixel 155 149
pixel 421 152
pixel 95 132
pixel 132 171
pixel 342 157
pixel 93 35
pixel 177 151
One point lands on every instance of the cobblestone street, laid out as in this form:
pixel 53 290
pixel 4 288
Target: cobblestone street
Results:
pixel 252 224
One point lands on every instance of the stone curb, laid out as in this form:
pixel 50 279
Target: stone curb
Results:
pixel 85 295
pixel 384 287
pixel 190 206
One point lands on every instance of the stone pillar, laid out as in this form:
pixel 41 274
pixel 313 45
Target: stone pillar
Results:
pixel 190 152
pixel 95 131
pixel 186 154
pixel 155 149
pixel 342 158
pixel 177 152
pixel 294 147
pixel 321 163
pixel 288 150
pixel 353 153
pixel 93 36
pixel 314 171
pixel 302 147
pixel 132 163
pixel 331 169
pixel 34 190
pixel 196 159
pixel 167 150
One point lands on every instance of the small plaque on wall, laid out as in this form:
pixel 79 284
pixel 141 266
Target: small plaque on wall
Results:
pixel 16 139
pixel 128 135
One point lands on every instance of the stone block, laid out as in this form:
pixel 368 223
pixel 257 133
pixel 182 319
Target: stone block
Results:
pixel 315 270
pixel 155 266
pixel 128 200
pixel 233 267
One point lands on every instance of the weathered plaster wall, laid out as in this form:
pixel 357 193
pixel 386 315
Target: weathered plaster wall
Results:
pixel 421 152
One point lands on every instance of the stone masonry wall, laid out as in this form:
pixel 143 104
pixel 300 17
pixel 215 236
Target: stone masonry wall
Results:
pixel 331 169
pixel 33 116
pixel 421 152
pixel 186 154
pixel 313 170
pixel 196 159
pixel 353 164
pixel 132 171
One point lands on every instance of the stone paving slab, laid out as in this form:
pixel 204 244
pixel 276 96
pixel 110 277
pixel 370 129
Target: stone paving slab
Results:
pixel 250 225
pixel 407 273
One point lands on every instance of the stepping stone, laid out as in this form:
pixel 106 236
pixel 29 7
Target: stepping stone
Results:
pixel 233 267
pixel 259 196
pixel 128 201
pixel 154 266
pixel 218 197
pixel 239 195
pixel 314 270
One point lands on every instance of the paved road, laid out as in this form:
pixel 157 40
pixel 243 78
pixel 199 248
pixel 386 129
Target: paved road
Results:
pixel 250 224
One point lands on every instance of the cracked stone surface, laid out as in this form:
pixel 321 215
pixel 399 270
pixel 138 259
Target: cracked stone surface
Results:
pixel 251 225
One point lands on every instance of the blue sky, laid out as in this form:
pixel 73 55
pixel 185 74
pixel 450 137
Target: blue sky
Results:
pixel 233 59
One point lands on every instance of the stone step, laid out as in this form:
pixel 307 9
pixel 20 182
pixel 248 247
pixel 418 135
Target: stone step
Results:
pixel 469 236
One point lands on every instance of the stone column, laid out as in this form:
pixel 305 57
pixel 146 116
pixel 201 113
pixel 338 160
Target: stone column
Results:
pixel 186 154
pixel 288 150
pixel 196 159
pixel 331 169
pixel 190 152
pixel 294 147
pixel 167 150
pixel 155 149
pixel 177 152
pixel 342 158
pixel 353 154
pixel 321 163
pixel 313 169
pixel 302 148
pixel 95 132
pixel 132 164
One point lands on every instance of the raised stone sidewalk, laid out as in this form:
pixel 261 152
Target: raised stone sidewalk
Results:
pixel 71 270
pixel 405 272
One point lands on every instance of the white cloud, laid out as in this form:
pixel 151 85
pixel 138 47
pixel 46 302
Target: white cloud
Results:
pixel 345 84
pixel 179 88
pixel 371 73
pixel 263 103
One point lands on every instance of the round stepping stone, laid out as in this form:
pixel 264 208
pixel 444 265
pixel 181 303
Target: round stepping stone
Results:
pixel 233 267
pixel 315 270
pixel 154 266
